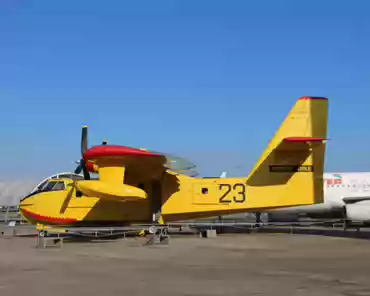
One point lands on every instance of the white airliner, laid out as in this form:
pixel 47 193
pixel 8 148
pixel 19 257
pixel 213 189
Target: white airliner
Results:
pixel 346 195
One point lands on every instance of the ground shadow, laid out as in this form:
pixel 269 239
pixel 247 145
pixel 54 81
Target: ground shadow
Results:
pixel 332 232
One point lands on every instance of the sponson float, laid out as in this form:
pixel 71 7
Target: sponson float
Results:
pixel 143 186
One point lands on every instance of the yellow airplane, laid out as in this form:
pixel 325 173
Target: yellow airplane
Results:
pixel 141 186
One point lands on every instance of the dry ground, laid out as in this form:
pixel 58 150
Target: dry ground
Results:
pixel 233 264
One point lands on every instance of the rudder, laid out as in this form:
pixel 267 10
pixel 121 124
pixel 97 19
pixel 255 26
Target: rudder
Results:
pixel 291 168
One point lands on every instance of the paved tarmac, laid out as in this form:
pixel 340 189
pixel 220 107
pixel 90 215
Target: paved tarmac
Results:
pixel 230 264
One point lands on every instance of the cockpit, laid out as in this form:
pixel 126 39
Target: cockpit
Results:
pixel 53 183
pixel 49 185
pixel 45 182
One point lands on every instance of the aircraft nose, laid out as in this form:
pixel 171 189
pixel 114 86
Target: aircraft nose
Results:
pixel 26 202
pixel 24 205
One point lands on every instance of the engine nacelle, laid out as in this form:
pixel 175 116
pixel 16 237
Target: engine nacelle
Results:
pixel 359 211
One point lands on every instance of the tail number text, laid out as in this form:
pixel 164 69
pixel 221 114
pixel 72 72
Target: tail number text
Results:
pixel 232 193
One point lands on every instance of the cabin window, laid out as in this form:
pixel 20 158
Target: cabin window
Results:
pixel 204 190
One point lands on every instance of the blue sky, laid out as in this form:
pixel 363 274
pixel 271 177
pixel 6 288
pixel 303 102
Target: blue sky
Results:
pixel 158 74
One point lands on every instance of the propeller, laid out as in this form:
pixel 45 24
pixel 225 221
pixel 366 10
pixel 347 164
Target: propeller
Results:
pixel 81 164
pixel 81 167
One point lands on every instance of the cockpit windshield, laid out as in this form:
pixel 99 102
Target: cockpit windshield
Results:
pixel 52 185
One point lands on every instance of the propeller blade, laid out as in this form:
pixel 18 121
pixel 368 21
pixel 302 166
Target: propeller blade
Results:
pixel 84 140
pixel 78 169
pixel 85 170
pixel 67 200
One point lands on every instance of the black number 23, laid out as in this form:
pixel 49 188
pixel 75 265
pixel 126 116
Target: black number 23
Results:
pixel 238 191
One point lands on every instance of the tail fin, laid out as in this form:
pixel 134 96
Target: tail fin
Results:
pixel 292 166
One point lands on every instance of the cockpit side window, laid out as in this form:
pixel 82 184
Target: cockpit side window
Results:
pixel 59 186
pixel 53 186
pixel 48 186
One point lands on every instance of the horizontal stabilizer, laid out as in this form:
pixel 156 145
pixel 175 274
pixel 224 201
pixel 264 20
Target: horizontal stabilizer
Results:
pixel 304 140
pixel 354 199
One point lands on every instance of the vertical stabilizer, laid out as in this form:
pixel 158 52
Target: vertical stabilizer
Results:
pixel 294 158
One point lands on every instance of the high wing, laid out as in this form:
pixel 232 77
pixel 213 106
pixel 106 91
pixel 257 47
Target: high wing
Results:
pixel 167 161
pixel 145 163
pixel 121 168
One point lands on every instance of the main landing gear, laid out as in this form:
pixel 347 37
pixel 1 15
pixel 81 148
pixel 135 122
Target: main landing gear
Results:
pixel 158 234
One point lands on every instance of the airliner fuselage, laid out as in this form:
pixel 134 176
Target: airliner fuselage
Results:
pixel 346 195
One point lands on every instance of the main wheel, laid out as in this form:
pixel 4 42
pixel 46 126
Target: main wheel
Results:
pixel 152 229
pixel 42 233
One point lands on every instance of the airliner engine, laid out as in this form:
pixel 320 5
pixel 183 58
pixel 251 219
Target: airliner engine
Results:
pixel 358 211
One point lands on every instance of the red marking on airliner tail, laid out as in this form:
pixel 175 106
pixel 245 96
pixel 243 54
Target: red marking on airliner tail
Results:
pixel 331 182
